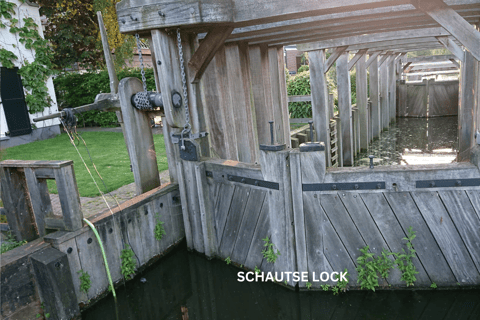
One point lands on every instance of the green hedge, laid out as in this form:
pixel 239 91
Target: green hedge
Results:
pixel 75 89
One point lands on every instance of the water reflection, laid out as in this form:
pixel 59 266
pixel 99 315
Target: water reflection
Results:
pixel 415 141
pixel 205 289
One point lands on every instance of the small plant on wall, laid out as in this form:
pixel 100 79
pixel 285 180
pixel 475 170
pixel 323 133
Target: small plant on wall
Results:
pixel 85 283
pixel 128 263
pixel 159 229
pixel 269 252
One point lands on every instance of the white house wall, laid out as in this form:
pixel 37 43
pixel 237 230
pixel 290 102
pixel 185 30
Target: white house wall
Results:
pixel 11 42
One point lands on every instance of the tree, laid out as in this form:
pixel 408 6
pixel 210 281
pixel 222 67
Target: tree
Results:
pixel 73 32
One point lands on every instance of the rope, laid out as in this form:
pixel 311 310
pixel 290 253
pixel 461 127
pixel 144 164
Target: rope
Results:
pixel 71 136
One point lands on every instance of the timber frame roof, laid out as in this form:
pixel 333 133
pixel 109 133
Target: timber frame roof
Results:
pixel 378 25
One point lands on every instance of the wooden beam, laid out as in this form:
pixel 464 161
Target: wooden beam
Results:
pixel 372 57
pixel 455 63
pixel 383 58
pixel 362 101
pixel 455 24
pixel 333 57
pixel 345 108
pixel 430 58
pixel 383 90
pixel 355 58
pixel 406 65
pixel 374 97
pixel 112 75
pixel 206 51
pixel 319 88
pixel 374 38
pixel 452 47
pixel 466 110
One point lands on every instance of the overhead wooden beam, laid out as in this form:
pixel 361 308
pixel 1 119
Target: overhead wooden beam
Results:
pixel 437 58
pixel 373 56
pixel 455 24
pixel 333 57
pixel 355 58
pixel 455 63
pixel 406 66
pixel 452 47
pixel 206 51
pixel 383 58
pixel 374 38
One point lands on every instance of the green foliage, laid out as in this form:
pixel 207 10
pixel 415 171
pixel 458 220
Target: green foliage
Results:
pixel 269 252
pixel 6 11
pixel 433 285
pixel 75 89
pixel 159 229
pixel 10 243
pixel 367 270
pixel 303 68
pixel 299 85
pixel 128 263
pixel 228 260
pixel 384 264
pixel 404 260
pixel 341 285
pixel 308 285
pixel 6 58
pixel 325 287
pixel 85 282
pixel 257 270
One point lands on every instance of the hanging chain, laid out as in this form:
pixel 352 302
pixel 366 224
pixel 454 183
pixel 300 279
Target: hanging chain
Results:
pixel 141 98
pixel 187 127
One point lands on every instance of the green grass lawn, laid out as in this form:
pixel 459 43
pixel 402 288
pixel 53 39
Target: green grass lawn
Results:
pixel 108 151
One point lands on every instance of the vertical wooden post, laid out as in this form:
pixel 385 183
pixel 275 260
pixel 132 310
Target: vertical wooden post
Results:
pixel 362 97
pixel 374 98
pixel 392 90
pixel 69 197
pixel 345 108
pixel 275 168
pixel 383 83
pixel 139 138
pixel 283 97
pixel 318 84
pixel 172 168
pixel 466 111
pixel 331 106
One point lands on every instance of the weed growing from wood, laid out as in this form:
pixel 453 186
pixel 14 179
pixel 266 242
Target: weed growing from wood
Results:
pixel 325 287
pixel 269 252
pixel 341 285
pixel 10 243
pixel 309 285
pixel 404 260
pixel 85 282
pixel 367 270
pixel 433 285
pixel 228 260
pixel 257 270
pixel 159 229
pixel 128 264
pixel 384 264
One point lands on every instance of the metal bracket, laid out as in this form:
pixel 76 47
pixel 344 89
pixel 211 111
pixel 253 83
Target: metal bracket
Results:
pixel 446 183
pixel 343 186
pixel 190 152
pixel 176 137
pixel 254 182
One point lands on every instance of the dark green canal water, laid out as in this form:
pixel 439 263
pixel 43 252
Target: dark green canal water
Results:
pixel 209 290
pixel 415 141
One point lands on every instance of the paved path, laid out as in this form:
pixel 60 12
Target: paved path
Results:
pixel 91 206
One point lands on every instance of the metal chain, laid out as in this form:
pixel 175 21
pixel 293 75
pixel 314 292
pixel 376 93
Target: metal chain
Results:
pixel 187 127
pixel 141 98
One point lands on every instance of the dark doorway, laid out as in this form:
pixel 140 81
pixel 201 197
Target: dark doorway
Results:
pixel 13 101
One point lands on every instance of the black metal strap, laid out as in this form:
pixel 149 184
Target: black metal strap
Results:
pixel 343 186
pixel 448 183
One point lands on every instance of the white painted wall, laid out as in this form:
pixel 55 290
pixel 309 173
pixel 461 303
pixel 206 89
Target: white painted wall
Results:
pixel 11 42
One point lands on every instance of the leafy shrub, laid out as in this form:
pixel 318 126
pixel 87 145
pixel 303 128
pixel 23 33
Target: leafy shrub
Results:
pixel 297 86
pixel 75 89
pixel 303 68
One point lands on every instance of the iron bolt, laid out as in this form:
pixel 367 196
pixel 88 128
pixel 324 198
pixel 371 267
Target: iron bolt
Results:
pixel 334 187
pixel 310 122
pixel 371 161
pixel 161 14
pixel 271 131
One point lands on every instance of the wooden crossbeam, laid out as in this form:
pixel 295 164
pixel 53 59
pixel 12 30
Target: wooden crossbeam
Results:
pixel 455 24
pixel 373 56
pixel 383 58
pixel 331 60
pixel 355 58
pixel 455 63
pixel 452 47
pixel 206 51
pixel 437 58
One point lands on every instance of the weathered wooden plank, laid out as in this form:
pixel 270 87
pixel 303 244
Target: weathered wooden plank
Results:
pixel 176 214
pixel 277 107
pixel 333 57
pixel 455 24
pixel 39 199
pixel 474 197
pixel 449 43
pixel 246 227
pixel 372 56
pixel 355 58
pixel 234 218
pixel 319 89
pixel 139 138
pixel 206 51
pixel 465 219
pixel 35 163
pixel 362 97
pixel 206 213
pixel 343 224
pixel 222 208
pixel 425 244
pixel 436 58
pixel 111 236
pixel 315 234
pixel 107 53
pixel 345 108
pixel 299 99
pixel 443 98
pixel 238 74
pixel 19 217
pixel 69 198
pixel 466 107
pixel 447 236
pixel 283 105
pixel 191 186
pixel 262 229
pixel 383 89
pixel 392 232
pixel 146 222
pixel 374 97
pixel 184 201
